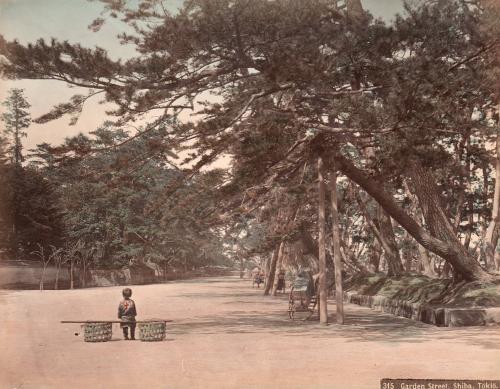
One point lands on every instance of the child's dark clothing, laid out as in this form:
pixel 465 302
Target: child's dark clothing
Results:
pixel 127 312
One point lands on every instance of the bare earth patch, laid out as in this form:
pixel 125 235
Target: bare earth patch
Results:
pixel 226 335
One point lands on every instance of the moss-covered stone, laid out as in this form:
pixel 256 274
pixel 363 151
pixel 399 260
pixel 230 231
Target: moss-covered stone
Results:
pixel 465 317
pixel 437 302
pixel 423 290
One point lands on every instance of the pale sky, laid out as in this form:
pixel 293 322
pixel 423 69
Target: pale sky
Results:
pixel 28 20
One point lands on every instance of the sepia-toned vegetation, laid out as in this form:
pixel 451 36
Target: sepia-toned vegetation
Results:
pixel 401 118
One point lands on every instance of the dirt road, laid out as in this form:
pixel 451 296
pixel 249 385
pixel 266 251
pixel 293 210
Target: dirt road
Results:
pixel 225 335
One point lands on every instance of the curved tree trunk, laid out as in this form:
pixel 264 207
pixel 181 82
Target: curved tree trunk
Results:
pixel 426 263
pixel 393 259
pixel 436 220
pixel 450 250
pixel 382 226
pixel 384 234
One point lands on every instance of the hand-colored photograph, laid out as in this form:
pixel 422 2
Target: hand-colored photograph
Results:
pixel 250 194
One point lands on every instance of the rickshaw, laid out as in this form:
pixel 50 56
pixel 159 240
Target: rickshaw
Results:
pixel 303 297
pixel 258 279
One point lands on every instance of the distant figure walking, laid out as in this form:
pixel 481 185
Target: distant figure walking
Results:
pixel 127 313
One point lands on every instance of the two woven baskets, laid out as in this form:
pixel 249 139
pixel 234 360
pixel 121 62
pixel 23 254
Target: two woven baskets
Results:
pixel 149 331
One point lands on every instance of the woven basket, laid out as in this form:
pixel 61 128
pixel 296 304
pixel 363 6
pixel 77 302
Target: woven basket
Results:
pixel 153 331
pixel 97 332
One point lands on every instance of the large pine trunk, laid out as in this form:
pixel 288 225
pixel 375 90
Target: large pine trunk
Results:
pixel 392 257
pixel 383 229
pixel 384 234
pixel 451 250
pixel 439 223
pixel 426 263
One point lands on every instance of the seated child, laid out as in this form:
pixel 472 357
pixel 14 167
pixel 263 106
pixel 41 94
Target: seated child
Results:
pixel 127 313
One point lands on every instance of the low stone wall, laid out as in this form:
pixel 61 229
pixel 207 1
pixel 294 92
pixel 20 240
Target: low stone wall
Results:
pixel 141 275
pixel 108 277
pixel 23 276
pixel 438 316
pixel 126 276
pixel 26 275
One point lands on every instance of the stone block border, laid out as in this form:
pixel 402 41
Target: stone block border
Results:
pixel 438 316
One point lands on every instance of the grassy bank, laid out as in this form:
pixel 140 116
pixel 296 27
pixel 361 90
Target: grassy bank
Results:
pixel 424 290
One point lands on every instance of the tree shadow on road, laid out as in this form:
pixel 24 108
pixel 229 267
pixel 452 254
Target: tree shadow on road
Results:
pixel 360 326
pixel 210 295
pixel 206 280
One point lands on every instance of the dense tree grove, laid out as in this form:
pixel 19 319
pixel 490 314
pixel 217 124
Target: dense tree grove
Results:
pixel 405 114
pixel 28 213
pixel 99 198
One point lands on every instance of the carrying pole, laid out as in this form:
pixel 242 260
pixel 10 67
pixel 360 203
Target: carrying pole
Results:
pixel 113 321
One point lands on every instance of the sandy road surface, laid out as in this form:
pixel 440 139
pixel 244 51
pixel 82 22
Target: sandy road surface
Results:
pixel 225 335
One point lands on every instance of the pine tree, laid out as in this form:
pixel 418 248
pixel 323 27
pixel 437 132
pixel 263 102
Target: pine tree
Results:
pixel 310 74
pixel 16 120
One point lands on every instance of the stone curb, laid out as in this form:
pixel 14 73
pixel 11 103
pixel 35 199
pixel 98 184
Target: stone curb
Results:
pixel 438 316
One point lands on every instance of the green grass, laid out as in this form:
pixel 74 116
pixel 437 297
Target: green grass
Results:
pixel 423 290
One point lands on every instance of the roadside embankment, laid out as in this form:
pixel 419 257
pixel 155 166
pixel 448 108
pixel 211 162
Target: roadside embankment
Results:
pixel 433 301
